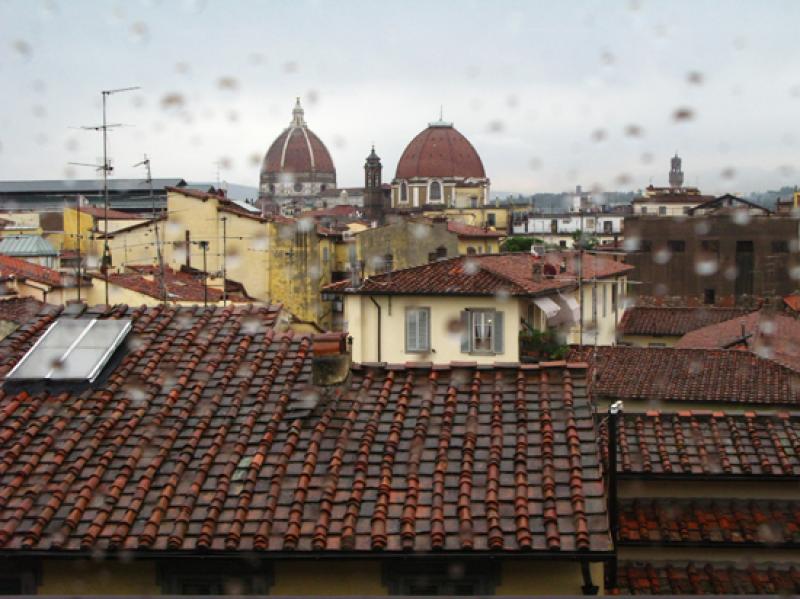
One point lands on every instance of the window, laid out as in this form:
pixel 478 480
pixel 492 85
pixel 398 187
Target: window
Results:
pixel 403 192
pixel 554 226
pixel 662 210
pixel 709 297
pixel 298 186
pixel 482 332
pixel 608 226
pixel 491 219
pixel 646 246
pixel 435 192
pixel 473 202
pixel 656 345
pixel 644 209
pixel 614 292
pixel 686 209
pixel 418 330
pixel 710 246
pixel 780 246
pixel 676 245
pixel 471 251
pixel 562 243
pixel 324 254
pixel 603 299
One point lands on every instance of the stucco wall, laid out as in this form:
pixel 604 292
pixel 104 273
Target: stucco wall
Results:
pixel 362 323
pixel 408 242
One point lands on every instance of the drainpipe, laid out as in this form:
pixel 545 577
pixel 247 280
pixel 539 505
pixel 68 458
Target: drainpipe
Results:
pixel 378 306
pixel 588 588
pixel 613 505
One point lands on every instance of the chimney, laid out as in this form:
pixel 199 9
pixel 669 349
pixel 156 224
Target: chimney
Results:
pixel 330 364
pixel 537 271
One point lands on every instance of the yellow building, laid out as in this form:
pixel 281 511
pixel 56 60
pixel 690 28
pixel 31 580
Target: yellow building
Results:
pixel 274 260
pixel 476 240
pixel 485 309
pixel 84 223
pixel 214 453
pixel 21 278
pixel 20 223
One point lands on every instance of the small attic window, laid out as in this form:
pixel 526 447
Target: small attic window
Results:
pixel 72 350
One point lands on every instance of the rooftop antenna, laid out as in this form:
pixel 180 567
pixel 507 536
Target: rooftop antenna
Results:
pixel 441 112
pixel 106 261
pixel 159 255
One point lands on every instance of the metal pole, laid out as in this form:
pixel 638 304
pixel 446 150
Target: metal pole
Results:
pixel 224 260
pixel 613 517
pixel 79 236
pixel 580 296
pixel 204 247
pixel 106 251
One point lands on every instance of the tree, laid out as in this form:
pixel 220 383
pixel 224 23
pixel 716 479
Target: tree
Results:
pixel 519 244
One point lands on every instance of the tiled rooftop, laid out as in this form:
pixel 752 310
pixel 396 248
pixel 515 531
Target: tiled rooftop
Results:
pixel 668 321
pixel 22 269
pixel 696 578
pixel 20 309
pixel 707 443
pixel 510 273
pixel 773 336
pixel 655 374
pixel 100 212
pixel 465 230
pixel 734 522
pixel 208 434
pixel 181 286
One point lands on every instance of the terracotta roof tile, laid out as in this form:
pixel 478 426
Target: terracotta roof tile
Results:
pixel 707 444
pixel 465 230
pixel 100 212
pixel 181 286
pixel 193 440
pixel 667 374
pixel 659 321
pixel 20 309
pixel 773 336
pixel 510 273
pixel 735 522
pixel 697 578
pixel 22 269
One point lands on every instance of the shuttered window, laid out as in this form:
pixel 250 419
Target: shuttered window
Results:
pixel 418 330
pixel 482 332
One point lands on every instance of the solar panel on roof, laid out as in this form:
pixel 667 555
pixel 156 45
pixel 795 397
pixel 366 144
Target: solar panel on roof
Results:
pixel 71 350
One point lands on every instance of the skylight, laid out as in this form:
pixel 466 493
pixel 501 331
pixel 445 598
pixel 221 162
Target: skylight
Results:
pixel 71 350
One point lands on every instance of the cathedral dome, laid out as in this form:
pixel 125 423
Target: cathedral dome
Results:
pixel 440 151
pixel 299 159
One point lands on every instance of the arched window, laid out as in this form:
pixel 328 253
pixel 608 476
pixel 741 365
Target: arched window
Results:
pixel 403 192
pixel 298 187
pixel 435 194
pixel 471 251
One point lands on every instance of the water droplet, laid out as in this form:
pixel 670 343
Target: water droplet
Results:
pixel 22 48
pixel 695 77
pixel 173 100
pixel 228 84
pixel 683 115
pixel 598 135
pixel 633 130
pixel 139 32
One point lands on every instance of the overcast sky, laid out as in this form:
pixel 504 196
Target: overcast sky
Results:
pixel 552 94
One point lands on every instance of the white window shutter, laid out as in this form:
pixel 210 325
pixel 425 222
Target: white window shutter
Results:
pixel 498 332
pixel 466 331
pixel 411 330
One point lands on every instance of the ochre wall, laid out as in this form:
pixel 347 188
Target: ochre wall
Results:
pixel 322 577
pixel 328 578
pixel 67 577
pixel 482 245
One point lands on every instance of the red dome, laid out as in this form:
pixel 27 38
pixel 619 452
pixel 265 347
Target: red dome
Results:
pixel 297 150
pixel 440 151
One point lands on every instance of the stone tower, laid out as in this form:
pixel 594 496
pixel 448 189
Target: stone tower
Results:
pixel 373 191
pixel 675 172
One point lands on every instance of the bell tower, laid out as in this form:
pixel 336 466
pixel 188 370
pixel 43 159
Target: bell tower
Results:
pixel 373 191
pixel 675 172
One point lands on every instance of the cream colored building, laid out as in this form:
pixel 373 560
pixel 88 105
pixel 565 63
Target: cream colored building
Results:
pixel 476 308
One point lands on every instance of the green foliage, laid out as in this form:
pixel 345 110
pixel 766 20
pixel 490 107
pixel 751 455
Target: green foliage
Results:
pixel 584 241
pixel 544 345
pixel 519 244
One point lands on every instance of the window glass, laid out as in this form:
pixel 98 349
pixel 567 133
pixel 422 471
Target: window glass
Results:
pixel 417 329
pixel 483 331
pixel 436 192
